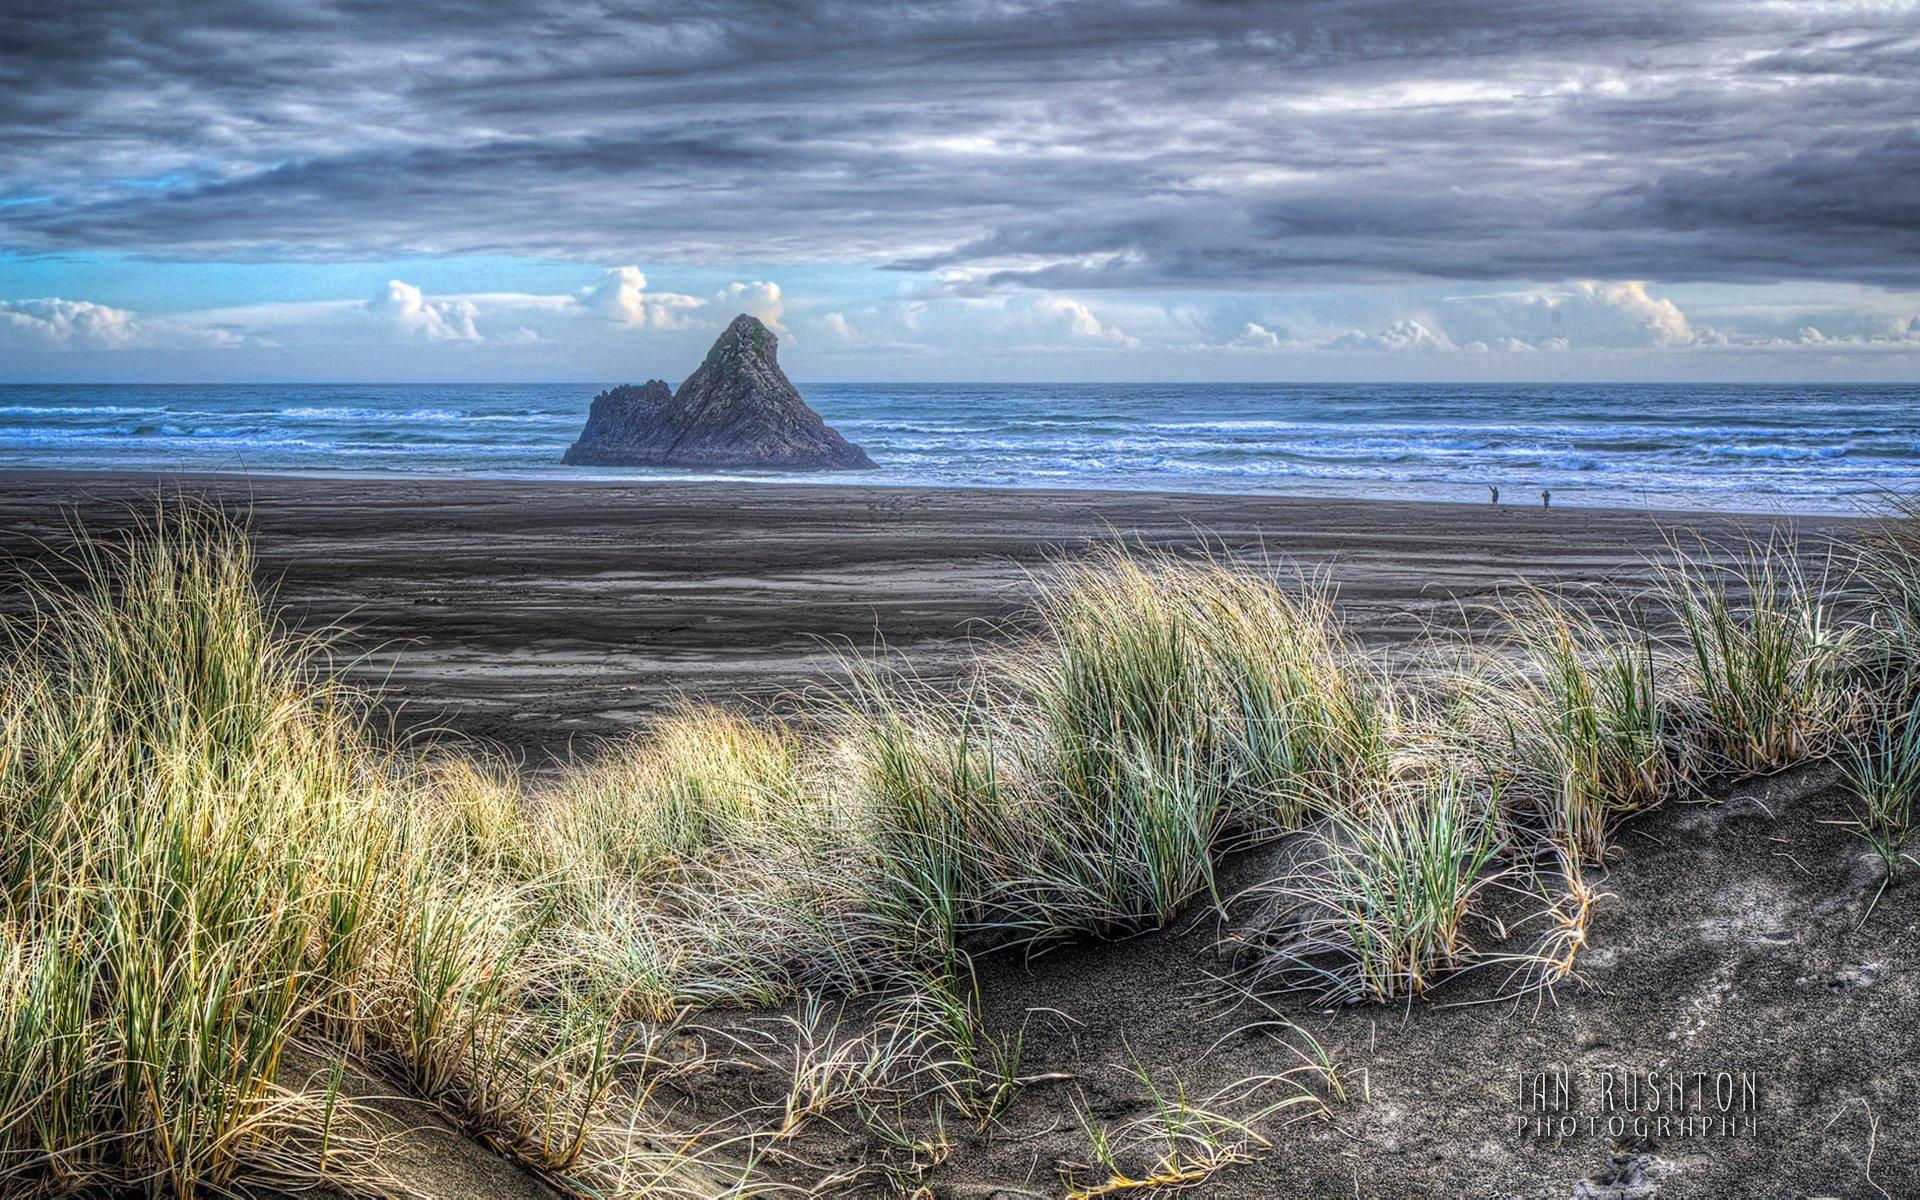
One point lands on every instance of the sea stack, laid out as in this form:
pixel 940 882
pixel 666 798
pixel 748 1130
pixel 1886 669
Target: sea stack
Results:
pixel 738 410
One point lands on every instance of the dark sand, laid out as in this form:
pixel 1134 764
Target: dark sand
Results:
pixel 536 615
pixel 1734 937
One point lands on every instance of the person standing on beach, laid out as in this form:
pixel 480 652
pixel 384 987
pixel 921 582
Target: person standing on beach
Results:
pixel 1546 498
pixel 1494 492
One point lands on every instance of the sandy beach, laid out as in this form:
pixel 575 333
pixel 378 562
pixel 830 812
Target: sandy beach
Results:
pixel 541 618
pixel 536 615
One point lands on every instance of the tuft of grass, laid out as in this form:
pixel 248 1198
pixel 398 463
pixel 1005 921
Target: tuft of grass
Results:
pixel 168 770
pixel 943 831
pixel 1889 563
pixel 1882 768
pixel 1571 716
pixel 1377 908
pixel 1152 666
pixel 204 856
pixel 1165 713
pixel 698 778
pixel 831 1070
pixel 1766 654
pixel 1183 1141
pixel 968 1070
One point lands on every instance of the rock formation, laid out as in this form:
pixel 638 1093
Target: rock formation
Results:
pixel 621 416
pixel 737 410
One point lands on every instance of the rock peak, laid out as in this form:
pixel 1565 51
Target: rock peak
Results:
pixel 737 410
pixel 746 330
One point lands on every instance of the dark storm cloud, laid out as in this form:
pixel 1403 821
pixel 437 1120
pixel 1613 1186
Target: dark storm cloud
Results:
pixel 1092 144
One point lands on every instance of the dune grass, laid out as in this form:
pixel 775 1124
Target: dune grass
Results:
pixel 210 860
pixel 1184 1140
pixel 1882 769
pixel 1377 907
pixel 1888 562
pixel 1767 657
pixel 1166 713
pixel 1573 719
pixel 207 860
pixel 168 788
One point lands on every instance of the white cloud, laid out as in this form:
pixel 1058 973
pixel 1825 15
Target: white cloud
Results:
pixel 413 315
pixel 621 297
pixel 70 324
pixel 1662 319
pixel 1586 315
pixel 955 315
pixel 75 325
pixel 758 299
pixel 1082 325
pixel 1401 335
pixel 1258 337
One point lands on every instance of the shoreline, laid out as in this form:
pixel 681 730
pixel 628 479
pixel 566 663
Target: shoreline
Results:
pixel 797 480
pixel 541 617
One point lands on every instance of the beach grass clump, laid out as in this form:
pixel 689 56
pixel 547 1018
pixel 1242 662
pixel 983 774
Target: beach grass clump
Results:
pixel 1378 903
pixel 1572 714
pixel 934 1021
pixel 941 828
pixel 1159 665
pixel 706 861
pixel 166 773
pixel 1889 564
pixel 1183 1140
pixel 206 860
pixel 1163 713
pixel 1882 768
pixel 1767 657
pixel 1882 763
pixel 699 777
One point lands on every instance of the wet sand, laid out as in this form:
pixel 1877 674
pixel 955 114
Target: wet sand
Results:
pixel 541 614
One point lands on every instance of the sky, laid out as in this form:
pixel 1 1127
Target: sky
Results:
pixel 293 190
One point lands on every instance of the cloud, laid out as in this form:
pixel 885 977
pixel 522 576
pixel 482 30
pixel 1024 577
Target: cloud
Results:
pixel 1081 325
pixel 1257 337
pixel 82 325
pixel 1138 144
pixel 1401 335
pixel 413 315
pixel 1659 319
pixel 954 316
pixel 1588 314
pixel 622 297
pixel 67 324
pixel 758 299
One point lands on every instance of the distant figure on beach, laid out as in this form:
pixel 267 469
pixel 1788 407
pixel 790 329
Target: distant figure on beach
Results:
pixel 1546 498
pixel 1494 492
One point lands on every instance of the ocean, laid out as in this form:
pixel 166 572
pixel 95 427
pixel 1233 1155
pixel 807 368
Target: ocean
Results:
pixel 1792 449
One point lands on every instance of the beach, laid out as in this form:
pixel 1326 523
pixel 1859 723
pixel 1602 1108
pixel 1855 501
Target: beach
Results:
pixel 538 615
pixel 1714 941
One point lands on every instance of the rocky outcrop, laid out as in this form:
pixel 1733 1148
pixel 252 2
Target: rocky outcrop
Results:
pixel 621 416
pixel 738 410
